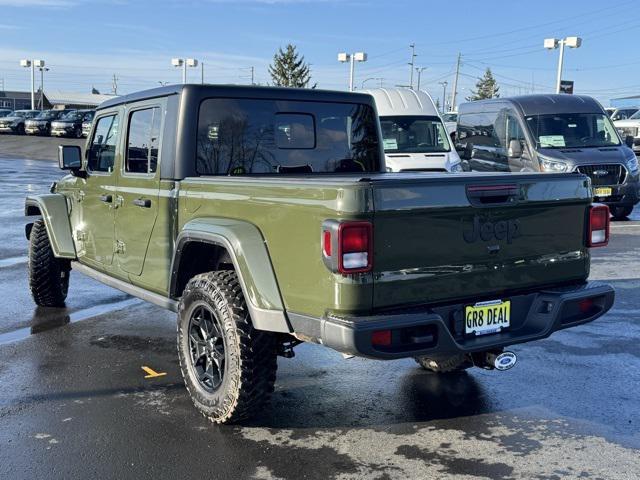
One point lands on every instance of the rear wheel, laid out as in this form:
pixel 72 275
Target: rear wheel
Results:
pixel 445 364
pixel 229 368
pixel 20 129
pixel 48 275
pixel 620 213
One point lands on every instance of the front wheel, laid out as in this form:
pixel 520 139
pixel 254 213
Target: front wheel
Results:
pixel 48 275
pixel 448 364
pixel 620 213
pixel 229 368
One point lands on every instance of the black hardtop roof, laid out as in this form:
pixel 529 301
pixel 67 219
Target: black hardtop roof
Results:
pixel 280 93
pixel 541 104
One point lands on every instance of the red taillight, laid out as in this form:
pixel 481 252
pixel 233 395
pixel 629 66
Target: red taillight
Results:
pixel 381 338
pixel 585 305
pixel 598 231
pixel 326 243
pixel 355 244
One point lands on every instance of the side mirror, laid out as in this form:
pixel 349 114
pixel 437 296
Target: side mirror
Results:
pixel 628 141
pixel 515 149
pixel 69 158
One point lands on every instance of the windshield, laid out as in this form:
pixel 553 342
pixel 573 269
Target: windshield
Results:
pixel 572 130
pixel 414 134
pixel 88 116
pixel 72 116
pixel 47 115
pixel 635 116
pixel 449 117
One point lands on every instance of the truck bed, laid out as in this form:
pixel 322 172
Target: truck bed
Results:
pixel 425 248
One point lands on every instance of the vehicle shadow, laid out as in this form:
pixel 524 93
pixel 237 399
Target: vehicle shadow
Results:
pixel 418 396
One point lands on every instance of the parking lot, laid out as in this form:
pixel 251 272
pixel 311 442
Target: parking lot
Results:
pixel 76 397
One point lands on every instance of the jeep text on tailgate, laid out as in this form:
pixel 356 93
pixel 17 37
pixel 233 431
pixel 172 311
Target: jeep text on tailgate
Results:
pixel 262 217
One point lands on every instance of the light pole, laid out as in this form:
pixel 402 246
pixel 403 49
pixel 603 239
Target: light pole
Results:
pixel 553 43
pixel 380 79
pixel 184 63
pixel 352 57
pixel 32 64
pixel 420 70
pixel 42 70
pixel 412 63
pixel 444 95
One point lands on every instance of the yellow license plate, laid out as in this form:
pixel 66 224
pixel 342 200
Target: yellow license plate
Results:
pixel 487 317
pixel 602 192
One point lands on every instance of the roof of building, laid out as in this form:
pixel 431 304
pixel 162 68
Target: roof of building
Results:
pixel 57 97
pixel 249 91
pixel 541 104
pixel 402 101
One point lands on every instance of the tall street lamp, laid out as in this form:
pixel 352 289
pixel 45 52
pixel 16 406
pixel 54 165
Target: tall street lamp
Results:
pixel 553 43
pixel 444 95
pixel 420 70
pixel 184 63
pixel 352 57
pixel 42 70
pixel 32 64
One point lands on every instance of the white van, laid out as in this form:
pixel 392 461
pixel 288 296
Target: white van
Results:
pixel 415 139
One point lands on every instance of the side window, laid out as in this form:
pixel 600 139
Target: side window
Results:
pixel 102 150
pixel 143 140
pixel 478 130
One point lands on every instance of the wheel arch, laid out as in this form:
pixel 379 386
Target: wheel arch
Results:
pixel 54 211
pixel 207 244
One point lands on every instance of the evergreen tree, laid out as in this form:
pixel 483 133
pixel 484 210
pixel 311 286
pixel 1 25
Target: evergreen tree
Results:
pixel 487 87
pixel 289 69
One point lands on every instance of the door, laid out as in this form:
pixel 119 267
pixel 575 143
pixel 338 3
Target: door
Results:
pixel 95 231
pixel 138 186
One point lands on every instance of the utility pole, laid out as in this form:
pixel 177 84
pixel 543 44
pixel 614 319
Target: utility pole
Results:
pixel 202 73
pixel 42 70
pixel 114 84
pixel 252 76
pixel 411 63
pixel 452 107
pixel 420 70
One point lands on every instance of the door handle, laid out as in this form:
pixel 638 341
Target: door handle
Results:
pixel 106 198
pixel 142 202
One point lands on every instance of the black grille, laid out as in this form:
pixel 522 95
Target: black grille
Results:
pixel 604 174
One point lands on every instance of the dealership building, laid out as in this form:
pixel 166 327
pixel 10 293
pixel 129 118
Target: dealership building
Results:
pixel 56 99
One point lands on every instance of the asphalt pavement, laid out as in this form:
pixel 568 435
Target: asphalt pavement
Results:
pixel 75 403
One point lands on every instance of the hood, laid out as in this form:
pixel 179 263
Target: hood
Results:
pixel 588 156
pixel 62 123
pixel 11 119
pixel 627 123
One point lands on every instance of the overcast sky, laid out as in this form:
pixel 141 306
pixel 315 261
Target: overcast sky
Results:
pixel 85 42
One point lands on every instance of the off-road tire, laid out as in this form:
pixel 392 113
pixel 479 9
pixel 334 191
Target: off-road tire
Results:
pixel 449 364
pixel 250 355
pixel 620 213
pixel 48 275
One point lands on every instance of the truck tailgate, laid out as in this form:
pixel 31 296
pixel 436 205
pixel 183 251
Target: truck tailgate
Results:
pixel 447 237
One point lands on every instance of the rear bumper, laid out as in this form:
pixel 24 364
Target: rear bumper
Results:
pixel 440 330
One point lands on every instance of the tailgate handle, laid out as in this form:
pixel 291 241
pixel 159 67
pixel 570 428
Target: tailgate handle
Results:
pixel 142 202
pixel 492 194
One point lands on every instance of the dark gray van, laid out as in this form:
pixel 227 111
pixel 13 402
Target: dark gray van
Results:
pixel 550 133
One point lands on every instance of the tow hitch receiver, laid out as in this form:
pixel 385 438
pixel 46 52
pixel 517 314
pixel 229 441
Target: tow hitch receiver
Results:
pixel 498 360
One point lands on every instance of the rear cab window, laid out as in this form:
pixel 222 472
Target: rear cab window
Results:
pixel 253 137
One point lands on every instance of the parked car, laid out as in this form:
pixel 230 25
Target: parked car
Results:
pixel 630 128
pixel 450 120
pixel 551 133
pixel 14 122
pixel 4 112
pixel 620 113
pixel 86 123
pixel 69 125
pixel 413 135
pixel 264 218
pixel 41 124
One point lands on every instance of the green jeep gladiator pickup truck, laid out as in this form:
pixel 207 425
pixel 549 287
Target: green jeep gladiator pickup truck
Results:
pixel 264 217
